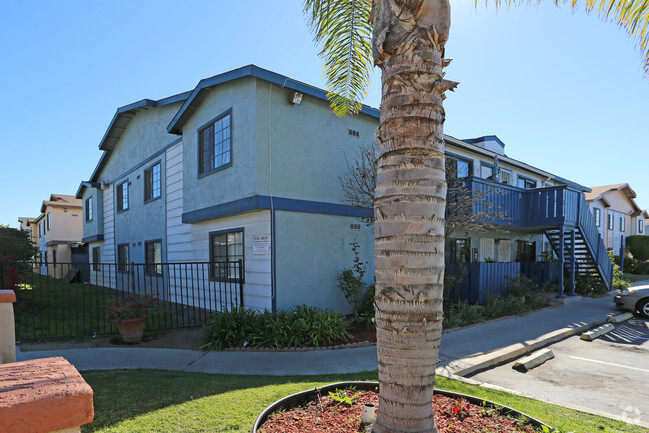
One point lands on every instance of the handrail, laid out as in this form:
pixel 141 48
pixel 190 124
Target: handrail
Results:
pixel 540 207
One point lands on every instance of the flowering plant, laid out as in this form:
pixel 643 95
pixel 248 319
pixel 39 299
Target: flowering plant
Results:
pixel 132 307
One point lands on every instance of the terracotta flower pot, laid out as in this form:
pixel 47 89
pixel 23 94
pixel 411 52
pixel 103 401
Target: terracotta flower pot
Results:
pixel 132 330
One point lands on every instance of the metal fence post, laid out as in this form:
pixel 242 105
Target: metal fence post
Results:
pixel 240 282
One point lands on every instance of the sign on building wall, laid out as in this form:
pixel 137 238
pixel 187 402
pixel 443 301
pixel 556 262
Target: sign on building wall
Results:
pixel 261 244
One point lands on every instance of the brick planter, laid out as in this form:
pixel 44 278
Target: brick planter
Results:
pixel 7 328
pixel 42 396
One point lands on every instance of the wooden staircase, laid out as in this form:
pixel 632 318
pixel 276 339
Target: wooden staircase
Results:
pixel 586 263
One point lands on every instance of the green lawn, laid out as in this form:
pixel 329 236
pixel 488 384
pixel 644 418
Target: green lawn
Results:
pixel 46 307
pixel 132 401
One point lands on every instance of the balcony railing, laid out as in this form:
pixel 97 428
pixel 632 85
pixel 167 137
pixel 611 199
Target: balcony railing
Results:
pixel 508 205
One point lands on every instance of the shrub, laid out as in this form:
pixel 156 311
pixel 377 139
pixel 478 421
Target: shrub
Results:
pixel 618 282
pixel 351 281
pixel 642 269
pixel 638 246
pixel 302 326
pixel 461 314
pixel 15 247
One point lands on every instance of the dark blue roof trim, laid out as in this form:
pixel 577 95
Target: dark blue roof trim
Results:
pixel 93 238
pixel 126 113
pixel 261 202
pixel 188 108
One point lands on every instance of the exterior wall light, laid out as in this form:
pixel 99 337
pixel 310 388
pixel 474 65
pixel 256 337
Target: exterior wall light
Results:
pixel 296 99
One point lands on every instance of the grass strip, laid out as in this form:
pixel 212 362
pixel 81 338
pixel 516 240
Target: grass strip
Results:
pixel 133 401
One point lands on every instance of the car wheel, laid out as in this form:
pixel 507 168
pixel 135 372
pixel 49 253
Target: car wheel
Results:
pixel 643 307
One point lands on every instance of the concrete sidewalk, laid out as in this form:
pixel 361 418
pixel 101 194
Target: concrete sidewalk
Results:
pixel 462 351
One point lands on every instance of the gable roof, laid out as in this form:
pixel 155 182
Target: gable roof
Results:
pixel 599 193
pixel 61 200
pixel 118 125
pixel 197 95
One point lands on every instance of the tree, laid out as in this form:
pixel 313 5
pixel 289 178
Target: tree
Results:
pixel 466 209
pixel 638 246
pixel 15 247
pixel 408 38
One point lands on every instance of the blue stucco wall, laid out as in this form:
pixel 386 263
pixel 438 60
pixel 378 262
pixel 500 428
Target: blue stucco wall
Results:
pixel 311 252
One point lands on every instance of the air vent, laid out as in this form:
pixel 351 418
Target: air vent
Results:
pixel 355 226
pixel 353 133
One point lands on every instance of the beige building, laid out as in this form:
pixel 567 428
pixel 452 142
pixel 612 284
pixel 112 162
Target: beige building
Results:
pixel 616 213
pixel 59 229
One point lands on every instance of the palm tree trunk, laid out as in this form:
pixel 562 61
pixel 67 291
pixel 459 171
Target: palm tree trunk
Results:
pixel 409 37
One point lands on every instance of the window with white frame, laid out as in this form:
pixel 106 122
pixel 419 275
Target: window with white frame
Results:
pixel 597 214
pixel 152 182
pixel 49 221
pixel 215 145
pixel 122 196
pixel 640 226
pixel 622 223
pixel 89 209
pixel 226 249
pixel 611 221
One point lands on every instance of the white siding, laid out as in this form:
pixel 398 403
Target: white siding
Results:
pixel 191 242
pixel 106 276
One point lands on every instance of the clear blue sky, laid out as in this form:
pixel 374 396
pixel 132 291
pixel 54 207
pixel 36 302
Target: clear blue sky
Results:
pixel 565 91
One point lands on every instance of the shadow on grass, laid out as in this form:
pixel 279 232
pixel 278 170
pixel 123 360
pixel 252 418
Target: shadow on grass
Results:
pixel 171 401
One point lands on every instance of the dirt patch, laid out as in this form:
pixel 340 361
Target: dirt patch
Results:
pixel 328 415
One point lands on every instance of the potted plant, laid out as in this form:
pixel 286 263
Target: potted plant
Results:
pixel 130 315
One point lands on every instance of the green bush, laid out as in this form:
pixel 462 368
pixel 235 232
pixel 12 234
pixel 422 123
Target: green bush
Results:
pixel 15 247
pixel 638 246
pixel 461 314
pixel 642 269
pixel 366 312
pixel 618 282
pixel 351 281
pixel 302 326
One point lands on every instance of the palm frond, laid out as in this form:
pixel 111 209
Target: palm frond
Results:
pixel 631 15
pixel 343 29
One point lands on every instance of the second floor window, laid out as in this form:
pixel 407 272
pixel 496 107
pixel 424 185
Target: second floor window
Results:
pixel 457 168
pixel 611 221
pixel 89 209
pixel 526 183
pixel 122 196
pixel 152 182
pixel 49 222
pixel 215 145
pixel 640 226
pixel 597 214
pixel 622 224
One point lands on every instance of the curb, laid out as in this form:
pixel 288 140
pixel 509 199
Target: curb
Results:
pixel 474 364
pixel 620 318
pixel 533 360
pixel 597 332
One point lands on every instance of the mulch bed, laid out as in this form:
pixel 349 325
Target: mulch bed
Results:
pixel 328 415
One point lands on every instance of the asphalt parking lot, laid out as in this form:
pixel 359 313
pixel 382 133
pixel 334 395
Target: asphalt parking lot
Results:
pixel 607 376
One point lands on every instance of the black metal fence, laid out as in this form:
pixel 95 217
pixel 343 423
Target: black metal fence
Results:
pixel 56 300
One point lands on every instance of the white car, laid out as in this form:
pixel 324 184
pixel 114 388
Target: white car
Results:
pixel 635 299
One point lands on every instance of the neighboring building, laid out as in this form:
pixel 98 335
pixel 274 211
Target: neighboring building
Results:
pixel 27 224
pixel 59 232
pixel 246 166
pixel 616 213
pixel 533 211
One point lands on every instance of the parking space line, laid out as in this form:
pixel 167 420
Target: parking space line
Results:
pixel 609 363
